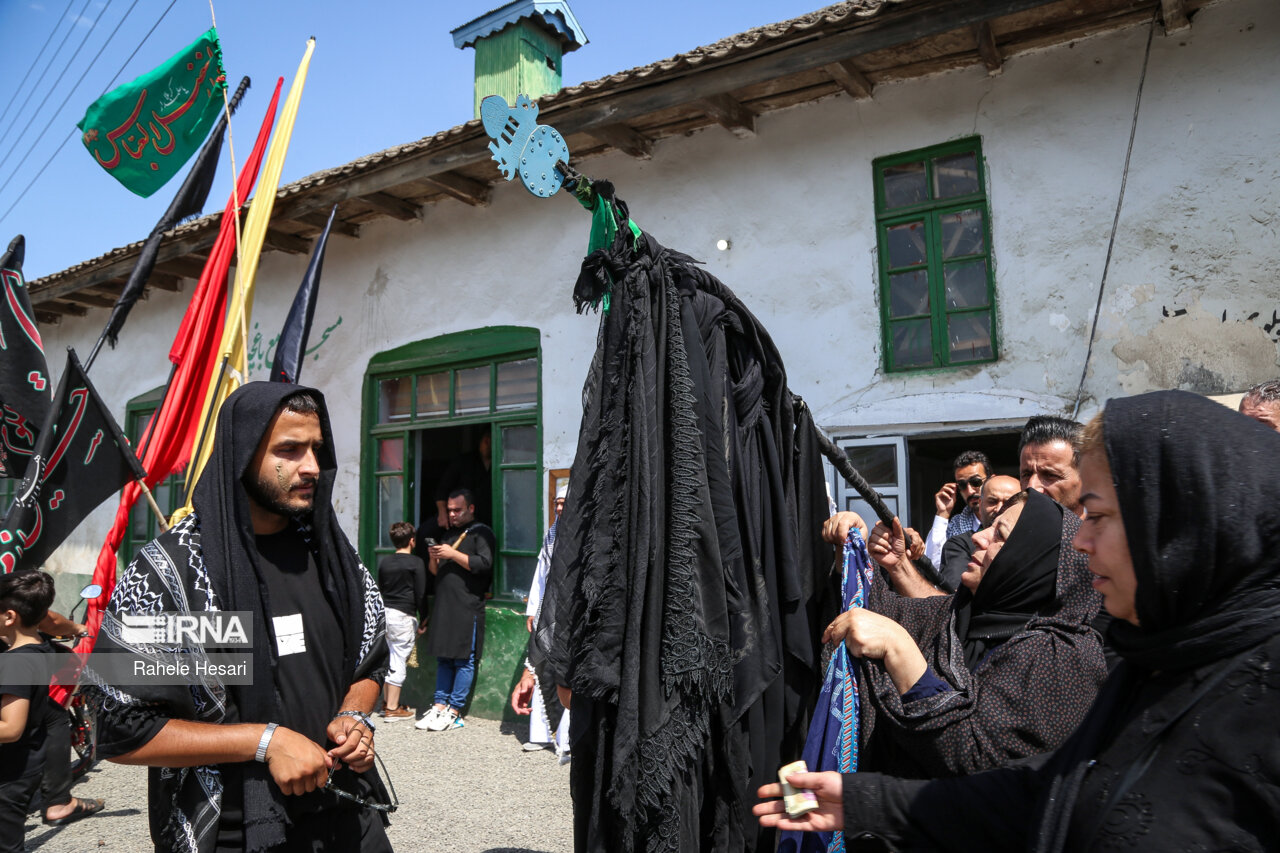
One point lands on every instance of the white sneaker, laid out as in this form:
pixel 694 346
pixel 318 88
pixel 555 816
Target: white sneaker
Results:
pixel 428 720
pixel 442 721
pixel 530 746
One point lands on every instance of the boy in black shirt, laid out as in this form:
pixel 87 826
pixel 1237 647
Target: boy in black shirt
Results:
pixel 25 598
pixel 402 579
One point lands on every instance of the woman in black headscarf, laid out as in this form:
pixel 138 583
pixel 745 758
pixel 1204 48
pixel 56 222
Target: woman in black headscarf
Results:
pixel 1180 750
pixel 1003 669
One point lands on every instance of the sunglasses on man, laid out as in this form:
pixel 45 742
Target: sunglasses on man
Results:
pixel 974 482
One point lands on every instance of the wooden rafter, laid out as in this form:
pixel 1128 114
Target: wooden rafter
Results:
pixel 391 205
pixel 90 300
pixel 189 266
pixel 1174 15
pixel 290 243
pixel 987 48
pixel 464 189
pixel 730 114
pixel 47 318
pixel 318 220
pixel 64 307
pixel 161 281
pixel 849 78
pixel 625 138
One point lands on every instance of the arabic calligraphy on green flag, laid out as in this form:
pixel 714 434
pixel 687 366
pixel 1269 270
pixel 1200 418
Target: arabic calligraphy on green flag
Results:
pixel 144 131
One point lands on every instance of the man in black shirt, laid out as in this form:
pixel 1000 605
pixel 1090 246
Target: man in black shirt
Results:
pixel 463 570
pixel 254 766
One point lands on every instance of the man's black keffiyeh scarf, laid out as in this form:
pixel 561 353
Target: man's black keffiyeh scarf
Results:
pixel 208 562
pixel 682 606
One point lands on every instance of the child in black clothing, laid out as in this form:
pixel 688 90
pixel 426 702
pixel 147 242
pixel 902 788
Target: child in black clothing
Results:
pixel 25 598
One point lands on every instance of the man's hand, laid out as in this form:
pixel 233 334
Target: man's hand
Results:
pixel 888 547
pixel 522 696
pixel 565 695
pixel 836 528
pixel 828 787
pixel 528 624
pixel 444 552
pixel 297 764
pixel 354 743
pixel 944 500
pixel 916 547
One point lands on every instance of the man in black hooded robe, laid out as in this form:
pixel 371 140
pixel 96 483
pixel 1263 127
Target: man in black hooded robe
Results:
pixel 248 767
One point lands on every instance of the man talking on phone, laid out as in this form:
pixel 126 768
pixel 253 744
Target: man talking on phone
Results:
pixel 957 502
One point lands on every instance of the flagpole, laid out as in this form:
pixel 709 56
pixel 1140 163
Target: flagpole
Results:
pixel 155 507
pixel 204 429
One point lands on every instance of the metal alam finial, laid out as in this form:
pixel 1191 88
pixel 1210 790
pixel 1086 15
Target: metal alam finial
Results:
pixel 536 152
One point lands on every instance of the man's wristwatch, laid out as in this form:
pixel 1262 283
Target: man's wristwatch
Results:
pixel 265 741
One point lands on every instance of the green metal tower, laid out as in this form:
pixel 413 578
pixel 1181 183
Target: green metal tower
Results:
pixel 520 48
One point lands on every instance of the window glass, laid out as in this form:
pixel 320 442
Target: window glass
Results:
pixel 912 345
pixel 905 185
pixel 519 572
pixel 390 507
pixel 518 384
pixel 906 245
pixel 970 336
pixel 393 399
pixel 966 285
pixel 433 395
pixel 962 234
pixel 955 174
pixel 519 444
pixel 391 454
pixel 909 293
pixel 471 391
pixel 520 509
pixel 877 463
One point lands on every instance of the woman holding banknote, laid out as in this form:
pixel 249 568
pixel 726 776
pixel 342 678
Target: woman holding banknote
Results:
pixel 1180 750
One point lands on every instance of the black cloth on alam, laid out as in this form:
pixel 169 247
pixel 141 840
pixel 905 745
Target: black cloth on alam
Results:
pixel 689 578
pixel 1022 659
pixel 402 579
pixel 1179 752
pixel 210 561
pixel 459 607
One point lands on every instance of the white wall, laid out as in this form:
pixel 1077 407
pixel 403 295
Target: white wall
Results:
pixel 1197 232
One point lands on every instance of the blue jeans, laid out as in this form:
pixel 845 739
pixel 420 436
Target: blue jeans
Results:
pixel 454 677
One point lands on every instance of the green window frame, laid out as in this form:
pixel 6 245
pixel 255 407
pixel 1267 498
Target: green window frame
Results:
pixel 482 376
pixel 143 525
pixel 937 277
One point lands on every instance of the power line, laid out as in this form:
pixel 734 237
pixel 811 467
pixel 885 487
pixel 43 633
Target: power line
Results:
pixel 48 94
pixel 45 71
pixel 57 22
pixel 105 89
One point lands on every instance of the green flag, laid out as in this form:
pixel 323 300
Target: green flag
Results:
pixel 142 132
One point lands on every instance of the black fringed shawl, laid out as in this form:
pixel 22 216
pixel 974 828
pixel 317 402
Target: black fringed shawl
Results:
pixel 1179 750
pixel 209 562
pixel 1018 691
pixel 681 610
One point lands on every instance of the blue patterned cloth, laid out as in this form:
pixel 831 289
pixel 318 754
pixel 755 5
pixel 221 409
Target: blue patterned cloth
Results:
pixel 832 743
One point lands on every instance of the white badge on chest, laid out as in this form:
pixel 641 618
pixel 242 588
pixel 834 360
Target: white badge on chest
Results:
pixel 291 639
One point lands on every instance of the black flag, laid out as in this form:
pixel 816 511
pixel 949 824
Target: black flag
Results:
pixel 24 375
pixel 188 202
pixel 80 461
pixel 292 346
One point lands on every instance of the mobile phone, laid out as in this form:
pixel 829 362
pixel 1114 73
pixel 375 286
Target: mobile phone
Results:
pixel 431 543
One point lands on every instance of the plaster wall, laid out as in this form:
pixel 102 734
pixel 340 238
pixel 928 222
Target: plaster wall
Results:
pixel 1197 232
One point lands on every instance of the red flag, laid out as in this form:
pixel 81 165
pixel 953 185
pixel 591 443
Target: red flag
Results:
pixel 171 432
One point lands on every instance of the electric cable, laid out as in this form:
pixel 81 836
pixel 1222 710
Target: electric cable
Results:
pixel 56 23
pixel 46 69
pixel 75 131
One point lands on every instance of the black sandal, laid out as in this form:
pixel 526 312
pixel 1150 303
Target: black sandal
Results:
pixel 84 808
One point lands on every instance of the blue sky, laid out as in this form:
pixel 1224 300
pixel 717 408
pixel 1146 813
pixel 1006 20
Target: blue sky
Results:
pixel 383 73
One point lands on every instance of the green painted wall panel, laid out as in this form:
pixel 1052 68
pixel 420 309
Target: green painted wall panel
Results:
pixel 505 640
pixel 517 61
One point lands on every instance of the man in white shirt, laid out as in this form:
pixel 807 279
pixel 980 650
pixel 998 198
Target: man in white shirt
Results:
pixel 957 502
